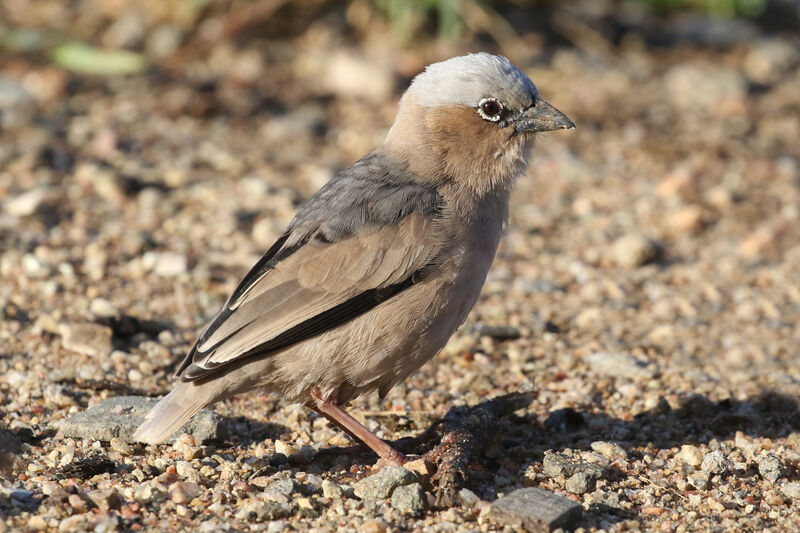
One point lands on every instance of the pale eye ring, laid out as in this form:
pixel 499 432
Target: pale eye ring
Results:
pixel 490 109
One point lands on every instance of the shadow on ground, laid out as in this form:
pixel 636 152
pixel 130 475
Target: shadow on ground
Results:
pixel 516 441
pixel 697 420
pixel 245 431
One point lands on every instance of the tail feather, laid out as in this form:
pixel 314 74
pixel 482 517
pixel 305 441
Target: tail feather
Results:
pixel 169 414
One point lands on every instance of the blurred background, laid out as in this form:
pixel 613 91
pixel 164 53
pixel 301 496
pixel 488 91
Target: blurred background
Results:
pixel 151 150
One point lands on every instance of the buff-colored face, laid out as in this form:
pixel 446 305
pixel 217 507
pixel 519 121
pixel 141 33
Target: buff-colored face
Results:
pixel 472 118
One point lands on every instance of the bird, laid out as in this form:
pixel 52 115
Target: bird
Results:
pixel 382 264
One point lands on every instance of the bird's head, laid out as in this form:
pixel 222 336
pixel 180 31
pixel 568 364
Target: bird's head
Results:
pixel 471 119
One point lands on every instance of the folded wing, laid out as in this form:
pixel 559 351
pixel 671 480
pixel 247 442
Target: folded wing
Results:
pixel 331 266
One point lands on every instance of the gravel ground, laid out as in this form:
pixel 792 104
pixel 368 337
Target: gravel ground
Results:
pixel 647 292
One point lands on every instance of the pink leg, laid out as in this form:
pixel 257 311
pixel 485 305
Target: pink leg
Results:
pixel 357 429
pixel 335 422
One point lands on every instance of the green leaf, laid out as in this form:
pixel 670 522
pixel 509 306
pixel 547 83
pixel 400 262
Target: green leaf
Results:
pixel 86 59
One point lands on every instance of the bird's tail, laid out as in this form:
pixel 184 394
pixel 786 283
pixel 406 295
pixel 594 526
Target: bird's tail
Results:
pixel 169 414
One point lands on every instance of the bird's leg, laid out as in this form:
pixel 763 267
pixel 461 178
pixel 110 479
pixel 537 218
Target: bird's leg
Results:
pixel 358 430
pixel 403 445
pixel 313 407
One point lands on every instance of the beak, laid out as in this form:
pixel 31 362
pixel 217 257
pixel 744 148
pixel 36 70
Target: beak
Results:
pixel 541 117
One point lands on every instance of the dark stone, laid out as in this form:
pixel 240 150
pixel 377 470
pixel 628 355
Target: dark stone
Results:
pixel 88 467
pixel 278 460
pixel 535 510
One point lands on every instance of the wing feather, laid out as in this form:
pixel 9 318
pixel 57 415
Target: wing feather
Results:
pixel 317 278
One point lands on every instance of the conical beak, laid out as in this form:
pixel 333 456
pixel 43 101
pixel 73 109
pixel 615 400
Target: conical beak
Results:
pixel 542 117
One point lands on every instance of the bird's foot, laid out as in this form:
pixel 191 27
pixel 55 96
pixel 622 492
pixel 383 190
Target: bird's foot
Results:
pixel 396 460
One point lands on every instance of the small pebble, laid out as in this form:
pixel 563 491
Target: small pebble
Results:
pixel 421 467
pixel 688 219
pixel 105 499
pixel 557 465
pixel 37 522
pixel 582 482
pixel 143 494
pixel 74 523
pixel 716 463
pixel 186 471
pixel 468 498
pixel 409 499
pixel 699 480
pixel 791 490
pixel 379 486
pixel 609 449
pixel 76 502
pixel 373 526
pixel 690 454
pixel 621 365
pixel 26 203
pixel 634 250
pixel 119 445
pixel 184 491
pixel 88 339
pixel 771 467
pixel 285 486
pixel 284 448
pixel 331 490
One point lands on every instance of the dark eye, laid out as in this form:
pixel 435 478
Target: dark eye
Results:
pixel 490 109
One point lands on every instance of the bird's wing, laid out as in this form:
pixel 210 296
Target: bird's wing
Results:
pixel 357 243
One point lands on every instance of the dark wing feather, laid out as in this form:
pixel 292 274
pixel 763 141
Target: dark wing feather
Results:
pixel 320 323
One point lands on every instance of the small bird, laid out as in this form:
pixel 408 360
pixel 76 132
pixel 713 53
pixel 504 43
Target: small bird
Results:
pixel 382 265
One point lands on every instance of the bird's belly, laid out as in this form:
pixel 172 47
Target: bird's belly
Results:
pixel 385 345
pixel 417 325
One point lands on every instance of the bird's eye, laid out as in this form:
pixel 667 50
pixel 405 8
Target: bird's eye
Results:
pixel 490 109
